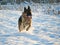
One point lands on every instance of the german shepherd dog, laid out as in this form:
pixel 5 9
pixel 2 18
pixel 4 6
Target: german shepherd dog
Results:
pixel 24 21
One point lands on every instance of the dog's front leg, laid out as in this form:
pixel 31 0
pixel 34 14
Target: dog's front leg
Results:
pixel 29 25
pixel 28 28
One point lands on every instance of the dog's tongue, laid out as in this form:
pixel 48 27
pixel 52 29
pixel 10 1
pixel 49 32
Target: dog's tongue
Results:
pixel 29 17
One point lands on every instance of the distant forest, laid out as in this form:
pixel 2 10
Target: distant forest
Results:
pixel 35 1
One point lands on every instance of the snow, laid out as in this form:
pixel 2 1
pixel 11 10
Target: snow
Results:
pixel 45 29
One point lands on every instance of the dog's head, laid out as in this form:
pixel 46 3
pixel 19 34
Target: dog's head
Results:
pixel 27 11
pixel 27 14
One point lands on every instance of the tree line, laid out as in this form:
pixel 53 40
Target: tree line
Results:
pixel 35 1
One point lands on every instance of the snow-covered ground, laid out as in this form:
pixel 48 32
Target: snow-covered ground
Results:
pixel 45 28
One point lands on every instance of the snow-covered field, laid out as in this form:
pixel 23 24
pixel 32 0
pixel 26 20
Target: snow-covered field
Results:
pixel 45 28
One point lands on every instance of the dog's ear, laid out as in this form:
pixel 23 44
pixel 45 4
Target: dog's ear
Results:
pixel 29 8
pixel 24 9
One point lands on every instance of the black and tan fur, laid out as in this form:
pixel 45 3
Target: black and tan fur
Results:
pixel 25 19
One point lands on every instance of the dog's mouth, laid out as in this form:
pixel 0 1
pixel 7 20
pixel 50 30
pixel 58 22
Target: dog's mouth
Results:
pixel 29 17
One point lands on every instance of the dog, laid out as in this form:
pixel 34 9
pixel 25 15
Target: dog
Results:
pixel 25 19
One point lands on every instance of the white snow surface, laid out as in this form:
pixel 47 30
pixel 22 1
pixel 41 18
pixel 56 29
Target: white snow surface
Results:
pixel 45 29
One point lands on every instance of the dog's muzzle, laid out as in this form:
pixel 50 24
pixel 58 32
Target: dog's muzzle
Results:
pixel 29 17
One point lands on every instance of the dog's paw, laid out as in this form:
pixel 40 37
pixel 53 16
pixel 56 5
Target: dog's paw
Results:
pixel 27 29
pixel 19 30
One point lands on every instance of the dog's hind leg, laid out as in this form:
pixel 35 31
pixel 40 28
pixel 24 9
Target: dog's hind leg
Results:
pixel 21 27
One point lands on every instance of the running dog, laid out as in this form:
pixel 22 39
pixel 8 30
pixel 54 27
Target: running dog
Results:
pixel 24 21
